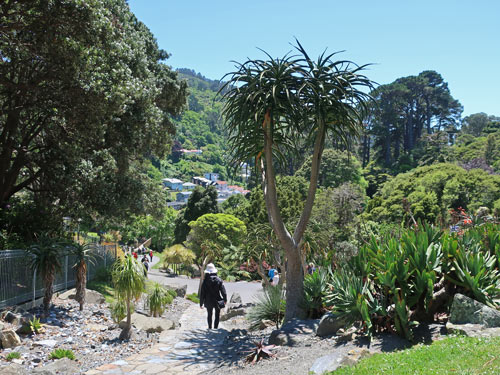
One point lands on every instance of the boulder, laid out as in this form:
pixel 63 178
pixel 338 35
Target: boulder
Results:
pixel 231 313
pixel 331 362
pixel 9 339
pixel 293 332
pixel 1 326
pixel 235 298
pixel 149 324
pixel 91 296
pixel 12 318
pixel 330 324
pixel 13 369
pixel 465 310
pixel 472 330
pixel 266 323
pixel 64 366
pixel 179 289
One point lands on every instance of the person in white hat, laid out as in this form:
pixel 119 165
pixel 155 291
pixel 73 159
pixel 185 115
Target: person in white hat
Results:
pixel 213 295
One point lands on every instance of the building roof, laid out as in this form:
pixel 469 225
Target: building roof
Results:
pixel 188 184
pixel 221 182
pixel 172 180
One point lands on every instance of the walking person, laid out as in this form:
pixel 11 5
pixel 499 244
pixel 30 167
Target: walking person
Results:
pixel 145 263
pixel 213 295
pixel 151 254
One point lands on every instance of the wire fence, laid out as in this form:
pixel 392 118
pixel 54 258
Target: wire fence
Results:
pixel 20 284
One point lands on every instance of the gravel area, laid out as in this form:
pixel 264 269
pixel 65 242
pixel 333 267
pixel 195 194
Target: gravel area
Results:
pixel 91 334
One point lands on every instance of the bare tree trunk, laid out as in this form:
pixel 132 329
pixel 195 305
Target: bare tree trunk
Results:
pixel 202 274
pixel 127 330
pixel 81 282
pixel 47 296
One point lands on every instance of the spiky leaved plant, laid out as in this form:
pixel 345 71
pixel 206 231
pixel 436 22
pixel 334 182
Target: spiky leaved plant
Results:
pixel 83 256
pixel 158 299
pixel 270 306
pixel 46 259
pixel 260 351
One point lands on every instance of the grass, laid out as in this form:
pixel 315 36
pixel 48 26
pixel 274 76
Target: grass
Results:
pixel 455 355
pixel 104 288
pixel 193 297
pixel 13 355
pixel 62 353
pixel 158 265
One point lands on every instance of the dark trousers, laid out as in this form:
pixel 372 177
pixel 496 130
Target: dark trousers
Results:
pixel 210 310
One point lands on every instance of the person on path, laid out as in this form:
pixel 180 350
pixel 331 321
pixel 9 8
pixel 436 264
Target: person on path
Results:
pixel 271 273
pixel 134 254
pixel 145 263
pixel 213 295
pixel 151 254
pixel 276 279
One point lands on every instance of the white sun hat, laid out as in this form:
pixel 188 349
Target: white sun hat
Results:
pixel 210 268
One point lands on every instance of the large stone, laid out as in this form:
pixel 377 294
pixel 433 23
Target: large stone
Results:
pixel 330 324
pixel 231 313
pixel 465 310
pixel 46 343
pixel 293 332
pixel 12 318
pixel 472 330
pixel 179 289
pixel 337 359
pixel 149 324
pixel 62 366
pixel 280 338
pixel 9 339
pixel 235 298
pixel 13 369
pixel 91 296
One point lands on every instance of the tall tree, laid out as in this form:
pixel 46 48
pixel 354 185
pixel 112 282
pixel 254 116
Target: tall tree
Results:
pixel 268 103
pixel 82 89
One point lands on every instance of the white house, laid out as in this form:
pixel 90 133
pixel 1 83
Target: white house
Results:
pixel 172 184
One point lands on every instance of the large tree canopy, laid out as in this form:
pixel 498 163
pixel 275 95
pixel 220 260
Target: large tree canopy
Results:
pixel 84 96
pixel 269 104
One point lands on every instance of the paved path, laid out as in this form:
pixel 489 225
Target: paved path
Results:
pixel 190 350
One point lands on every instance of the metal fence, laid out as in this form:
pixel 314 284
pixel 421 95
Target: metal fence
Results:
pixel 19 284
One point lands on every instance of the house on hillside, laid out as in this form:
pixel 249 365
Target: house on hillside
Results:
pixel 202 181
pixel 183 196
pixel 188 186
pixel 212 176
pixel 221 185
pixel 196 152
pixel 172 184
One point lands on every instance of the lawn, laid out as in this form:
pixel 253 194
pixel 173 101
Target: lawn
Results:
pixel 104 288
pixel 454 355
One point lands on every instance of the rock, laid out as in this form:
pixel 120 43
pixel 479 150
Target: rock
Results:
pixel 62 366
pixel 266 323
pixel 149 324
pixel 333 361
pixel 9 339
pixel 231 313
pixel 91 296
pixel 293 332
pixel 1 326
pixel 97 327
pixel 179 289
pixel 330 324
pixel 472 330
pixel 46 343
pixel 235 298
pixel 344 336
pixel 12 318
pixel 465 310
pixel 13 369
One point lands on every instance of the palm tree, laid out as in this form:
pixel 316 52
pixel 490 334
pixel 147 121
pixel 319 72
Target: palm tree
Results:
pixel 268 105
pixel 129 282
pixel 46 259
pixel 83 255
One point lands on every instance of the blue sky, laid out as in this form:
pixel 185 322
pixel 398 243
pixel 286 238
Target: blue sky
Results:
pixel 459 39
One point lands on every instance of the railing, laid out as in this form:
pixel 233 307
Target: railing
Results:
pixel 19 283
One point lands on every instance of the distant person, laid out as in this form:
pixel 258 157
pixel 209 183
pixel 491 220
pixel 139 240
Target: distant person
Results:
pixel 271 273
pixel 151 254
pixel 213 295
pixel 134 253
pixel 276 279
pixel 311 268
pixel 145 263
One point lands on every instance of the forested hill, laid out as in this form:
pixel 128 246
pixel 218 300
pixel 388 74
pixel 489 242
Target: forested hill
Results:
pixel 198 128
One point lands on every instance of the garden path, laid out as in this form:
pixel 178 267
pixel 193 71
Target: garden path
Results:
pixel 191 349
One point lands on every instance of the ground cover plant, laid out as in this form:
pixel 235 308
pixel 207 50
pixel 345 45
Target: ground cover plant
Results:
pixel 270 305
pixel 394 283
pixel 454 355
pixel 13 355
pixel 62 353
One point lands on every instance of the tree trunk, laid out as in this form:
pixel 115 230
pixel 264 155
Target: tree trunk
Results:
pixel 81 281
pixel 127 330
pixel 294 285
pixel 48 283
pixel 202 274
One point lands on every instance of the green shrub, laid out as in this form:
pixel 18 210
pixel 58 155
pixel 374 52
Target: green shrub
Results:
pixel 193 297
pixel 103 274
pixel 172 292
pixel 158 298
pixel 119 310
pixel 13 355
pixel 315 289
pixel 270 306
pixel 62 353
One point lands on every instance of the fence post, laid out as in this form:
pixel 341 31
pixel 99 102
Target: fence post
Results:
pixel 34 287
pixel 105 254
pixel 65 272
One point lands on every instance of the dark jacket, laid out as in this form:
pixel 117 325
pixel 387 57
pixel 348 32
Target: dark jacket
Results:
pixel 212 290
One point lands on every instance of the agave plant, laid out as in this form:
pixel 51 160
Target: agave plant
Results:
pixel 260 351
pixel 315 290
pixel 46 259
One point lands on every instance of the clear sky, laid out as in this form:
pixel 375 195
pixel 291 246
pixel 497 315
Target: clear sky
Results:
pixel 460 39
